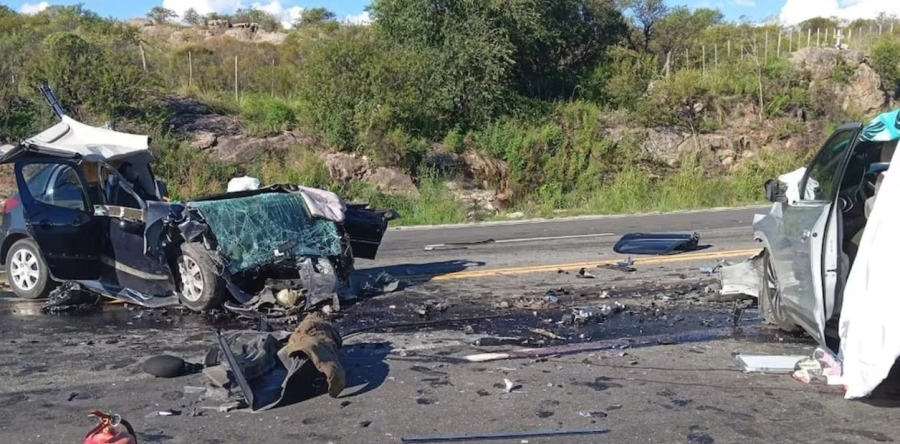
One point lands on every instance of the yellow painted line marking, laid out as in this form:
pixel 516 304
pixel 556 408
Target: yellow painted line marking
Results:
pixel 578 265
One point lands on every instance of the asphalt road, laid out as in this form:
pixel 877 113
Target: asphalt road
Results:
pixel 407 381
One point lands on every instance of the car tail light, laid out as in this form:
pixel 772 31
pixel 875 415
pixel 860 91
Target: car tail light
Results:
pixel 10 203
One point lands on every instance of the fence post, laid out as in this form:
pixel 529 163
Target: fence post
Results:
pixel 879 28
pixel 892 27
pixel 703 59
pixel 818 41
pixel 236 96
pixel 668 63
pixel 716 54
pixel 825 40
pixel 849 34
pixel 190 70
pixel 143 56
pixel 808 37
pixel 791 41
pixel 687 59
pixel 766 51
pixel 728 51
pixel 779 44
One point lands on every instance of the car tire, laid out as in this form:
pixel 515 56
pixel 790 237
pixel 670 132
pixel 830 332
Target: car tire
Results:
pixel 201 287
pixel 770 306
pixel 26 253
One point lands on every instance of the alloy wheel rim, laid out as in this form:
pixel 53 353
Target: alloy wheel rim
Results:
pixel 24 270
pixel 191 279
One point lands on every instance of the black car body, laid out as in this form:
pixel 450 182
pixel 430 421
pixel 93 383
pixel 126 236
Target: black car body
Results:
pixel 89 210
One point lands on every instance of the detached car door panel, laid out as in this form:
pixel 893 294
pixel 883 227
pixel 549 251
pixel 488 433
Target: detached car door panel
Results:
pixel 800 257
pixel 59 216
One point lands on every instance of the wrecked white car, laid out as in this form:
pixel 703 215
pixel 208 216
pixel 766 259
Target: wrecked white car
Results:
pixel 830 251
pixel 90 212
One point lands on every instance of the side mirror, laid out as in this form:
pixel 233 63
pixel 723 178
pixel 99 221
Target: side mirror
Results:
pixel 775 191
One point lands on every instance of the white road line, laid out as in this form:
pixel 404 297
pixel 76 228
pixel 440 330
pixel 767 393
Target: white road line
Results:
pixel 510 241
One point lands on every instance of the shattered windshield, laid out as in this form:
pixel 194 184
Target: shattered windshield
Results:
pixel 251 229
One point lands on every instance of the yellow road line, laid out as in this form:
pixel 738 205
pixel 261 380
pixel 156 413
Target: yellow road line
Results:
pixel 578 265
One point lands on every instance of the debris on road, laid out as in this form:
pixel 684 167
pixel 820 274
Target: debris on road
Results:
pixel 583 274
pixel 768 363
pixel 592 414
pixel 70 297
pixel 546 333
pixel 822 368
pixel 626 265
pixel 508 386
pixel 582 315
pixel 111 429
pixel 168 366
pixel 503 435
pixel 263 365
pixel 457 245
pixel 657 243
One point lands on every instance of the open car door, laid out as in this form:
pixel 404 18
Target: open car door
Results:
pixel 59 215
pixel 365 228
pixel 807 257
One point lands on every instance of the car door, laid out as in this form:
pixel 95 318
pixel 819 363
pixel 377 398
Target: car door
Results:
pixel 59 216
pixel 804 247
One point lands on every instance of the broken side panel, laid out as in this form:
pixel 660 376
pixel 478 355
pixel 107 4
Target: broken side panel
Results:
pixel 656 243
pixel 261 229
pixel 366 229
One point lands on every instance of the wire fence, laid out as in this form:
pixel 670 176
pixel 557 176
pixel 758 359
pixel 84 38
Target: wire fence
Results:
pixel 240 68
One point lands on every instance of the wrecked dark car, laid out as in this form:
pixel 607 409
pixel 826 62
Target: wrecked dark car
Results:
pixel 89 211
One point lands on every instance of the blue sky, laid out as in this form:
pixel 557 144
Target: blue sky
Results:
pixel 790 11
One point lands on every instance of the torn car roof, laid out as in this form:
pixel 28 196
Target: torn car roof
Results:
pixel 72 138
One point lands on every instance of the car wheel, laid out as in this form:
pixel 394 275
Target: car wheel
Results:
pixel 770 305
pixel 26 270
pixel 201 288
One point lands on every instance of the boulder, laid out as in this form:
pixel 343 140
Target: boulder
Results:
pixel 485 170
pixel 662 144
pixel 863 94
pixel 344 167
pixel 392 181
pixel 239 149
pixel 204 140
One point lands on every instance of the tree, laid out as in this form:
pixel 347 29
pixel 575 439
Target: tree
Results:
pixel 489 52
pixel 266 21
pixel 681 27
pixel 192 17
pixel 647 14
pixel 161 15
pixel 819 23
pixel 314 17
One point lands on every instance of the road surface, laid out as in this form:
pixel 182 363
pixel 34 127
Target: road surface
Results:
pixel 414 381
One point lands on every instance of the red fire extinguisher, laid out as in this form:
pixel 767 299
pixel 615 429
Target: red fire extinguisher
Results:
pixel 111 429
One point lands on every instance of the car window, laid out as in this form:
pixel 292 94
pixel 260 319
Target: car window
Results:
pixel 821 176
pixel 64 191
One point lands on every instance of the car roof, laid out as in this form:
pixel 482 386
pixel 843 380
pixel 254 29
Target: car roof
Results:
pixel 71 138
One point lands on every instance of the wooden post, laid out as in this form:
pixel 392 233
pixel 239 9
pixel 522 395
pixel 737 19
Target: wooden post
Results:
pixel 849 34
pixel 879 29
pixel 143 56
pixel 791 41
pixel 728 51
pixel 892 27
pixel 779 44
pixel 825 40
pixel 742 52
pixel 668 63
pixel 703 60
pixel 818 41
pixel 190 70
pixel 687 59
pixel 766 51
pixel 273 77
pixel 236 96
pixel 716 51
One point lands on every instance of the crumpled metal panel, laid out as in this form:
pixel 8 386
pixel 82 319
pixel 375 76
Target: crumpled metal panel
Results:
pixel 261 229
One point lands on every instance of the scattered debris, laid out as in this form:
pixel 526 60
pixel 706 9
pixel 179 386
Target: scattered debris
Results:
pixel 742 278
pixel 546 333
pixel 626 265
pixel 593 414
pixel 768 363
pixel 822 368
pixel 550 296
pixel 170 412
pixel 656 243
pixel 111 428
pixel 70 297
pixel 168 366
pixel 229 406
pixel 457 245
pixel 582 315
pixel 365 424
pixel 503 435
pixel 508 386
pixel 583 274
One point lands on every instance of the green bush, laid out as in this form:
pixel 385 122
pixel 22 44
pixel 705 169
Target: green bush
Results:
pixel 885 60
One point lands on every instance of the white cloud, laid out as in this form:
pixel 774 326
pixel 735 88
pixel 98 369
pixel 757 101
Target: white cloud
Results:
pixel 796 11
pixel 201 6
pixel 747 3
pixel 287 15
pixel 362 18
pixel 33 8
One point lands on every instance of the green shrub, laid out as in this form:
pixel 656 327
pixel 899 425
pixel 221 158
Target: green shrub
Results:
pixel 885 60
